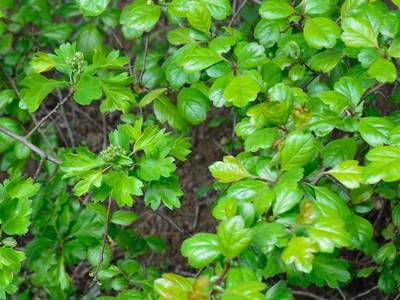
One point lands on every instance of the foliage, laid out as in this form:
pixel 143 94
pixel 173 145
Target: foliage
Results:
pixel 308 188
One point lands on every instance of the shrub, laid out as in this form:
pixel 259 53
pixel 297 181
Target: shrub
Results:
pixel 307 191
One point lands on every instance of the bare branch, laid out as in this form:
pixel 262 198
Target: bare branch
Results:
pixel 237 12
pixel 44 119
pixel 307 294
pixel 34 149
pixel 146 50
pixel 103 246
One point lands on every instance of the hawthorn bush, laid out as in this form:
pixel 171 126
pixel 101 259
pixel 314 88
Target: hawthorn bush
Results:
pixel 99 103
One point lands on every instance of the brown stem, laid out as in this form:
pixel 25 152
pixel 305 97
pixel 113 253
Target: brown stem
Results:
pixel 237 12
pixel 221 277
pixel 44 119
pixel 24 141
pixel 103 246
pixel 39 169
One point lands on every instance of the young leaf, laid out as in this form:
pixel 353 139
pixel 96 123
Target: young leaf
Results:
pixel 241 90
pixel 385 163
pixel 201 249
pixel 230 170
pixel 124 187
pixel 348 173
pixel 383 71
pixel 300 253
pixel 233 236
pixel 37 88
pixel 358 33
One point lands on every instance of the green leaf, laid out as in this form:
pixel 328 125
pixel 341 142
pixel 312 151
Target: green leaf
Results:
pixel 279 291
pixel 351 88
pixel 166 190
pixel 329 233
pixel 42 62
pixel 173 287
pixel 267 236
pixel 89 179
pixel 230 170
pixel 199 59
pixel 329 270
pixel 37 88
pixel 245 291
pixel 338 151
pixel 274 9
pixel 330 205
pixel 396 215
pixel 87 90
pixel 375 131
pixel 321 33
pixel 385 253
pixel 319 7
pixel 89 40
pixel 261 139
pixel 298 149
pixel 394 49
pixel 21 188
pixel 10 263
pixel 358 33
pixel 361 231
pixel 219 9
pixel 151 96
pixel 385 165
pixel 255 191
pixel 81 161
pixel 124 187
pixel 92 8
pixel 268 32
pixel 233 237
pixel 165 111
pixel 15 215
pixel 153 168
pixel 193 105
pixel 348 173
pixel 383 71
pixel 241 90
pixel 249 55
pixel 183 35
pixel 118 97
pixel 287 196
pixel 124 217
pixel 201 249
pixel 139 17
pixel 199 16
pixel 300 253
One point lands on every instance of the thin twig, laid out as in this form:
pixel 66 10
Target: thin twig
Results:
pixel 146 50
pixel 69 130
pixel 16 91
pixel 221 277
pixel 24 141
pixel 364 293
pixel 39 168
pixel 237 12
pixel 169 220
pixel 65 99
pixel 342 294
pixel 307 294
pixel 103 246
